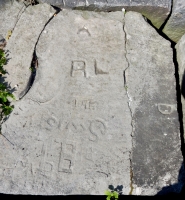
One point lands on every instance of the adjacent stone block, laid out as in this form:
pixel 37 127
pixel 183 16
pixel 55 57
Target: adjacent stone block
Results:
pixel 151 89
pixel 155 11
pixel 175 27
pixel 21 46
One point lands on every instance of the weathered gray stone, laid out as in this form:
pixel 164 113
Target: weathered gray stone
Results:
pixel 175 27
pixel 68 129
pixel 180 48
pixel 10 12
pixel 100 82
pixel 156 11
pixel 21 46
pixel 151 89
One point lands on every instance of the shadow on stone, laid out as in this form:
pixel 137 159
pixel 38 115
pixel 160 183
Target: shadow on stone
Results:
pixel 183 85
pixel 177 188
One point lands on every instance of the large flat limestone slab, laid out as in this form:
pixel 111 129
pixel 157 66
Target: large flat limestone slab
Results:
pixel 71 132
pixel 101 111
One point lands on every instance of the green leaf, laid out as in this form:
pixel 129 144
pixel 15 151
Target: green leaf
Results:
pixel 108 198
pixel 11 95
pixel 2 86
pixel 7 109
pixel 4 93
pixel 107 192
pixel 115 194
pixel 4 99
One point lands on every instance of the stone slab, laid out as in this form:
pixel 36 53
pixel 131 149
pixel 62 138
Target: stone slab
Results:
pixel 97 114
pixel 68 130
pixel 151 88
pixel 175 27
pixel 21 44
pixel 156 11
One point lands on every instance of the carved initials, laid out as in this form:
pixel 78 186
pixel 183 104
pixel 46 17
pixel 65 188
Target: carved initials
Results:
pixel 78 68
pixel 66 161
pixel 84 104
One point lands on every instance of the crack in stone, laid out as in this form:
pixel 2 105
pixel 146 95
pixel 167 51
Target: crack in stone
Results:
pixel 24 7
pixel 131 176
pixel 34 62
pixel 7 139
pixel 129 106
pixel 179 102
pixel 165 22
pixel 107 175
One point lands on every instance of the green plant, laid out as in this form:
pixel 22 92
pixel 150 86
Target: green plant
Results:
pixel 2 61
pixel 111 195
pixel 4 93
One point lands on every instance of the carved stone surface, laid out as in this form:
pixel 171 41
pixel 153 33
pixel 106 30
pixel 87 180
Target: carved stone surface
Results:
pixel 97 113
pixel 156 11
pixel 175 27
pixel 21 44
pixel 151 88
pixel 71 135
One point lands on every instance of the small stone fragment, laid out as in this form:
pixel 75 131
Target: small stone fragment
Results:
pixel 175 27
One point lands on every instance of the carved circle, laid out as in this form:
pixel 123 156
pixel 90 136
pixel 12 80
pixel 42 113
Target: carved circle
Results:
pixel 97 127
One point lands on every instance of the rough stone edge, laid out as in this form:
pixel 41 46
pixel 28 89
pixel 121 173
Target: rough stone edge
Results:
pixel 155 14
pixel 174 32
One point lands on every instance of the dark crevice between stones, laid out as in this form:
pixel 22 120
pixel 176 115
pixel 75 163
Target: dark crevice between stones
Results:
pixel 178 92
pixel 165 22
pixel 34 63
pixel 36 2
pixel 179 103
pixel 57 9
